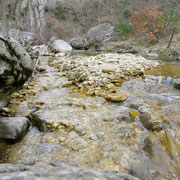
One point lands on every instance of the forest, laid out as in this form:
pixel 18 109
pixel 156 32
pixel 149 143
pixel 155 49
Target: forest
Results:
pixel 149 20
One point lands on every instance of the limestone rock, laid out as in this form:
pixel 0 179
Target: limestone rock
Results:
pixel 11 172
pixel 78 43
pixel 95 37
pixel 108 68
pixel 60 46
pixel 23 37
pixel 116 97
pixel 15 67
pixel 101 33
pixel 13 127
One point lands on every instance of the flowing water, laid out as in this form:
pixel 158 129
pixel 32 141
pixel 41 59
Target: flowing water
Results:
pixel 140 136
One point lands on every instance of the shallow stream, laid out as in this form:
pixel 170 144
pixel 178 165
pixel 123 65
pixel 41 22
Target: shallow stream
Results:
pixel 140 136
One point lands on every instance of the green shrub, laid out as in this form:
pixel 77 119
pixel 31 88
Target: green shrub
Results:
pixel 59 13
pixel 123 27
pixel 126 12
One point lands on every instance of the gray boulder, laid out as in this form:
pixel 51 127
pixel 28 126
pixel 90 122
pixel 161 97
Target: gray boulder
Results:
pixel 128 48
pixel 60 46
pixel 22 37
pixel 15 67
pixel 13 128
pixel 78 43
pixel 96 37
pixel 101 33
pixel 52 39
pixel 20 172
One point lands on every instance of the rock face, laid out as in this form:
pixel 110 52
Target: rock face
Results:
pixel 23 37
pixel 8 171
pixel 15 67
pixel 13 127
pixel 59 46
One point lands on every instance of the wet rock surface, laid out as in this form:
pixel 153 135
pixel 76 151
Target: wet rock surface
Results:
pixel 139 136
pixel 12 172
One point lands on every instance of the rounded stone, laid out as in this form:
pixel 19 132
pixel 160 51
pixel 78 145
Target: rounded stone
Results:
pixel 116 97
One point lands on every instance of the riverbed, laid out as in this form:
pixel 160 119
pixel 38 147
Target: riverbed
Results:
pixel 139 136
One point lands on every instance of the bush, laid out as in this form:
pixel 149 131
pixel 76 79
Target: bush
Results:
pixel 123 28
pixel 59 13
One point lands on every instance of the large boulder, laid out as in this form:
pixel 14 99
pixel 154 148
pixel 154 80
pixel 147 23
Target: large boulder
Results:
pixel 101 33
pixel 96 37
pixel 13 128
pixel 23 37
pixel 60 46
pixel 11 172
pixel 15 67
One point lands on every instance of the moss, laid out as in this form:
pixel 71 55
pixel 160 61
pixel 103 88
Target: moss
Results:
pixel 134 114
pixel 166 142
pixel 148 147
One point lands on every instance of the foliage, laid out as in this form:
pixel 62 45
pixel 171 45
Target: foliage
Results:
pixel 126 12
pixel 123 27
pixel 173 18
pixel 147 20
pixel 59 13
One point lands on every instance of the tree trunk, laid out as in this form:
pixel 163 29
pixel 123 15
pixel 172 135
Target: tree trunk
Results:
pixel 171 38
pixel 3 5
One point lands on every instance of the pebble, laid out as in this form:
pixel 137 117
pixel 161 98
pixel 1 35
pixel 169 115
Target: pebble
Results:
pixel 62 139
pixel 75 148
pixel 67 84
pixel 6 110
pixel 101 70
pixel 80 130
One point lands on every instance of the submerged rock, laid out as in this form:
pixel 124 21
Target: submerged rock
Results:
pixel 116 97
pixel 8 171
pixel 13 128
pixel 15 67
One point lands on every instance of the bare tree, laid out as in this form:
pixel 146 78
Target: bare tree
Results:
pixel 172 12
pixel 4 22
